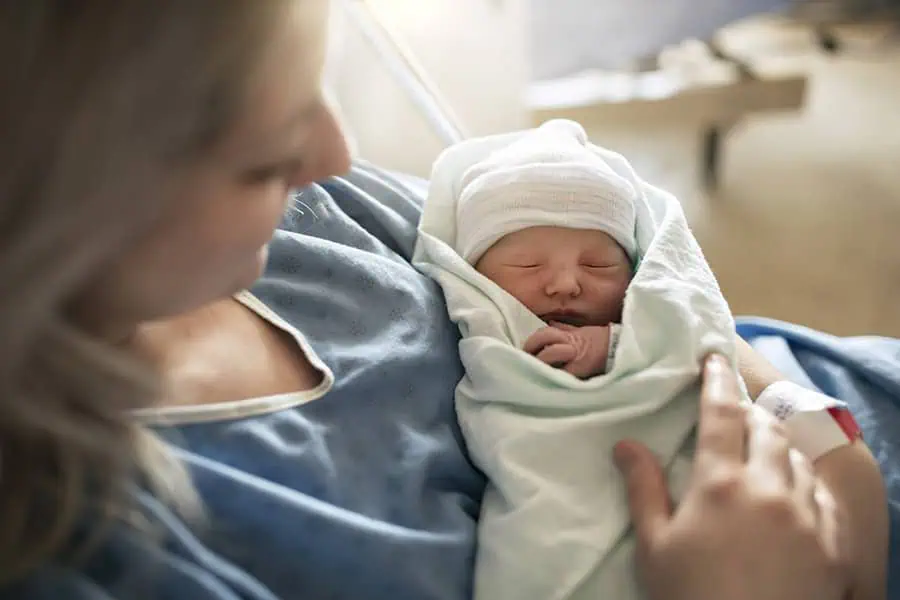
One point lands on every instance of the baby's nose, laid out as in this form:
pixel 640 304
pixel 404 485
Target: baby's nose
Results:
pixel 563 282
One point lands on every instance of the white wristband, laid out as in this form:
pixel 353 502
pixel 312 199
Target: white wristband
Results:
pixel 816 423
pixel 614 330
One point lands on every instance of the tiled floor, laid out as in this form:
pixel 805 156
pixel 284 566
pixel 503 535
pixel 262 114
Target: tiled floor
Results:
pixel 806 224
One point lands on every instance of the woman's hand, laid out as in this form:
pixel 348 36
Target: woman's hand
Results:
pixel 755 521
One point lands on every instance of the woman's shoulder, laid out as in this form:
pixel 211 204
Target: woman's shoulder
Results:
pixel 385 205
pixel 340 273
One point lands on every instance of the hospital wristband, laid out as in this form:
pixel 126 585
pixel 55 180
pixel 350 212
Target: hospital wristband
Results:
pixel 614 330
pixel 816 424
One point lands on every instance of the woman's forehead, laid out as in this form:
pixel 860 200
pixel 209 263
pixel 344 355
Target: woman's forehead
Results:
pixel 285 90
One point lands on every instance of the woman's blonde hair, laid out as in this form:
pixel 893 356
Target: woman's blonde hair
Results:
pixel 101 101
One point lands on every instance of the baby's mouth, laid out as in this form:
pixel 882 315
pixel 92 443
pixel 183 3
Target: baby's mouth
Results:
pixel 567 317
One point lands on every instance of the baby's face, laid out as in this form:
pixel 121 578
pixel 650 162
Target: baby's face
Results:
pixel 577 276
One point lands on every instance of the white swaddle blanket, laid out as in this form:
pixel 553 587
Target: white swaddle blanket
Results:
pixel 554 522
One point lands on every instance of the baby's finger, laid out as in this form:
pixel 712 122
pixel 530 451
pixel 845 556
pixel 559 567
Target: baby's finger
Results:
pixel 582 367
pixel 543 337
pixel 557 354
pixel 562 326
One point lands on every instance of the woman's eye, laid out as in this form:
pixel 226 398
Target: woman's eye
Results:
pixel 262 175
pixel 284 171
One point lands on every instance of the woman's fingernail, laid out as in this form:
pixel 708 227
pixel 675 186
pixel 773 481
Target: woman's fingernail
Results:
pixel 622 455
pixel 716 361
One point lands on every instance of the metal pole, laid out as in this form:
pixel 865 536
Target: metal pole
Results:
pixel 407 71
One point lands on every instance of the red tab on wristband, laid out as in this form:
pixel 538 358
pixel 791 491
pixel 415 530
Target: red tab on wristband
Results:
pixel 844 419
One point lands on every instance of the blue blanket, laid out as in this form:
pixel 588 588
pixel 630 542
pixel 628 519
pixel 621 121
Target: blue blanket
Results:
pixel 862 371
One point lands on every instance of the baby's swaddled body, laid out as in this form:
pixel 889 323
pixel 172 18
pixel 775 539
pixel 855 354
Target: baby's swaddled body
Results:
pixel 585 307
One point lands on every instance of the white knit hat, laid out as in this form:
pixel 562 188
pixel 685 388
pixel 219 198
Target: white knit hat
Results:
pixel 551 177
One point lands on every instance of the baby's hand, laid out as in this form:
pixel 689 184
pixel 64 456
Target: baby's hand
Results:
pixel 581 351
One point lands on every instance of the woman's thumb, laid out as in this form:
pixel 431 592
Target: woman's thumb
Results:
pixel 648 495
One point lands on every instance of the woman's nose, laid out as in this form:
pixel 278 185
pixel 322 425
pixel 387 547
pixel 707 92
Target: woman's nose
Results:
pixel 563 282
pixel 332 155
pixel 336 155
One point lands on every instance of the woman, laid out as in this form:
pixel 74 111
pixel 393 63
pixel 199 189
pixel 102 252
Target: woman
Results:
pixel 148 150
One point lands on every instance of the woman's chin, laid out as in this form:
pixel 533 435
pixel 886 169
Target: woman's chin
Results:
pixel 256 268
pixel 250 272
pixel 262 258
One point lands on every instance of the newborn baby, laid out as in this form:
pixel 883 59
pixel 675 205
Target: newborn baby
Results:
pixel 556 259
pixel 554 229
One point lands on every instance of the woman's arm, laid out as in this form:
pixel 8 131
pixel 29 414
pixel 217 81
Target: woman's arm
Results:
pixel 757 372
pixel 853 475
pixel 747 485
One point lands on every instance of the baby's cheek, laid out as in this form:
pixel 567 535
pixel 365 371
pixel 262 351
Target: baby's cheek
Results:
pixel 520 290
pixel 611 297
pixel 617 284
